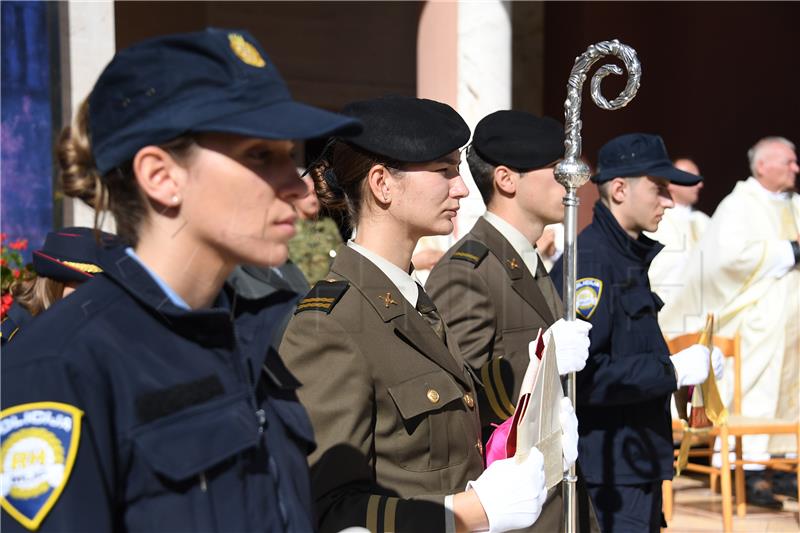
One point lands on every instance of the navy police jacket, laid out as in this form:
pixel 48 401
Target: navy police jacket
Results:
pixel 623 393
pixel 124 412
pixel 16 318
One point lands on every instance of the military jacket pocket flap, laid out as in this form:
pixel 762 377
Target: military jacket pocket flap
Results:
pixel 428 392
pixel 187 443
pixel 639 301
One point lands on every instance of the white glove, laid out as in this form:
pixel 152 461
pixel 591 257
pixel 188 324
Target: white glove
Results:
pixel 512 493
pixel 572 344
pixel 718 363
pixel 691 365
pixel 569 432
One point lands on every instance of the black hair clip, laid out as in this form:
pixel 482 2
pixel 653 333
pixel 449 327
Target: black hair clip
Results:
pixel 330 178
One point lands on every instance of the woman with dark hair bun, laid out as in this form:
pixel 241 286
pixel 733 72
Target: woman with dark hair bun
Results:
pixel 150 400
pixel 390 398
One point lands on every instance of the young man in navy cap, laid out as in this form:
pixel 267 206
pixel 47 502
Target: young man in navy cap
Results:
pixel 623 394
pixel 491 286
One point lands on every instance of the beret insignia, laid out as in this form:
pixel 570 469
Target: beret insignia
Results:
pixel 40 442
pixel 587 296
pixel 245 51
pixel 471 252
pixel 323 296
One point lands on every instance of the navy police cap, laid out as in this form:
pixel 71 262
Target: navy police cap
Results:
pixel 72 254
pixel 216 80
pixel 639 154
pixel 518 140
pixel 407 129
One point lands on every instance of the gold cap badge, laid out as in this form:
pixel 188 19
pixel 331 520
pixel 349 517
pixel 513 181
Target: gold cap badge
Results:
pixel 245 51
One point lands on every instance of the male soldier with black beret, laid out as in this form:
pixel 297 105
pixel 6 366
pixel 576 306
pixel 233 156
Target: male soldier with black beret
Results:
pixel 491 286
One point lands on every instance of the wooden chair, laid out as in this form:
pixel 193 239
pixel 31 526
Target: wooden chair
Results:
pixel 736 426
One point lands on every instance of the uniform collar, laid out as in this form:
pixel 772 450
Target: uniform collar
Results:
pixel 212 326
pixel 402 280
pixel 173 296
pixel 516 239
pixel 643 249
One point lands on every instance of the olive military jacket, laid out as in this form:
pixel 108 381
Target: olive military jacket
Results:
pixel 393 409
pixel 494 307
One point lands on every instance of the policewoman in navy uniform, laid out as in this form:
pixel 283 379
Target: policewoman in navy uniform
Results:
pixel 150 400
pixel 391 400
pixel 623 393
pixel 68 258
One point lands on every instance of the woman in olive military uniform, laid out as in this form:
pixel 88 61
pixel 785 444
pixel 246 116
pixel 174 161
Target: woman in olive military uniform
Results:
pixel 391 400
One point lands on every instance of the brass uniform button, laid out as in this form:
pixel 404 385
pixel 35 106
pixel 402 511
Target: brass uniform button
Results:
pixel 433 396
pixel 479 446
pixel 469 400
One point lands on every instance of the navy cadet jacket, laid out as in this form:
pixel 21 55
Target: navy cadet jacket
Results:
pixel 623 392
pixel 124 412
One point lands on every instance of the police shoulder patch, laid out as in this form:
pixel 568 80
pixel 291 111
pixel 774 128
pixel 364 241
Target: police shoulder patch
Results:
pixel 323 296
pixel 587 296
pixel 471 252
pixel 40 442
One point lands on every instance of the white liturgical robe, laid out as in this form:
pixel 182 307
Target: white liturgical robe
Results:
pixel 743 272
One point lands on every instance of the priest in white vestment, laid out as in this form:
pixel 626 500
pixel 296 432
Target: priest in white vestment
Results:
pixel 679 231
pixel 745 270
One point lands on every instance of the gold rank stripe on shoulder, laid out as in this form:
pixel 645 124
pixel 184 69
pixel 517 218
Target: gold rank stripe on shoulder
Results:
pixel 468 256
pixel 472 252
pixel 83 267
pixel 381 514
pixel 323 296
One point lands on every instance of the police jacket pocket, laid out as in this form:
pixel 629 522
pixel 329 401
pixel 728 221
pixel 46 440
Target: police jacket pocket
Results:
pixel 431 433
pixel 640 301
pixel 186 444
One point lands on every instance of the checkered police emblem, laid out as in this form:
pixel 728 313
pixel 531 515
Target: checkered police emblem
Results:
pixel 39 444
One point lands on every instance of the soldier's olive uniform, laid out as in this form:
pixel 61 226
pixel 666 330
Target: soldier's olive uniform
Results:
pixel 314 246
pixel 393 409
pixel 494 307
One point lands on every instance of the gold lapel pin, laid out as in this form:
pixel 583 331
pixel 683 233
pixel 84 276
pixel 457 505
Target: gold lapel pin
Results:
pixel 387 299
pixel 512 263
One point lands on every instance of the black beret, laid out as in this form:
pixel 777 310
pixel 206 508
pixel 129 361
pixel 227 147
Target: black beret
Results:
pixel 71 254
pixel 519 140
pixel 407 129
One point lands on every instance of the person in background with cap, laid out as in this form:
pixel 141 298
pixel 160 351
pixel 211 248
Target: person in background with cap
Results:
pixel 150 399
pixel 68 258
pixel 491 286
pixel 623 393
pixel 390 397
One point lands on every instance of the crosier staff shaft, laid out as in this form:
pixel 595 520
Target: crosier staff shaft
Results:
pixel 572 173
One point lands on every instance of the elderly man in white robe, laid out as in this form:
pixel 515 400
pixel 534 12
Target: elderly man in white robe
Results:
pixel 746 271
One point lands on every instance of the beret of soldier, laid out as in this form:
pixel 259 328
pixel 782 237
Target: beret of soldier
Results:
pixel 639 154
pixel 71 254
pixel 519 140
pixel 407 129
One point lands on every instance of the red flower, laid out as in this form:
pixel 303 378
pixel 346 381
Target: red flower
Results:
pixel 3 237
pixel 17 274
pixel 20 244
pixel 5 303
pixel 3 262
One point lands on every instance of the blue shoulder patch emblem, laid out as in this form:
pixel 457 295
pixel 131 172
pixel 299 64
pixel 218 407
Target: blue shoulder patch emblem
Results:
pixel 39 445
pixel 587 296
